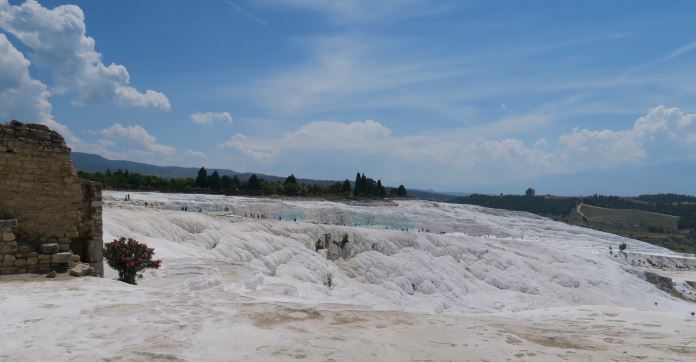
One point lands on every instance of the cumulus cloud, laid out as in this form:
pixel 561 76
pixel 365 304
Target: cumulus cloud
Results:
pixel 26 99
pixel 474 160
pixel 356 136
pixel 660 130
pixel 21 97
pixel 59 42
pixel 136 135
pixel 211 117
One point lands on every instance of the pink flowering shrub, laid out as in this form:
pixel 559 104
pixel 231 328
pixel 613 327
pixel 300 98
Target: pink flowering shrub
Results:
pixel 129 257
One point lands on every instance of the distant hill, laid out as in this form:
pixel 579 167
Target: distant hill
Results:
pixel 94 163
pixel 667 177
pixel 432 195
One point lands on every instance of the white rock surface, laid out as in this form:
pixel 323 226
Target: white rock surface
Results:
pixel 496 285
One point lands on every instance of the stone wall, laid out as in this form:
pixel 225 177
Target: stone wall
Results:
pixel 40 189
pixel 21 258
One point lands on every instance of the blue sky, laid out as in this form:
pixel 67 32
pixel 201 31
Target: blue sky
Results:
pixel 447 95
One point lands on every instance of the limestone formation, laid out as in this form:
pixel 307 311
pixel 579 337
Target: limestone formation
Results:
pixel 662 282
pixel 48 213
pixel 335 249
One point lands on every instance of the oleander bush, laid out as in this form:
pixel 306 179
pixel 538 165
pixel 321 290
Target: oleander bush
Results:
pixel 129 257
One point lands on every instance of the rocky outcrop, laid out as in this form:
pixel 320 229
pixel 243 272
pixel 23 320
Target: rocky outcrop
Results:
pixel 334 249
pixel 659 281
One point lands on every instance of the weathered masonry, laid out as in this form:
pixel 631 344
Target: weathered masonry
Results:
pixel 49 218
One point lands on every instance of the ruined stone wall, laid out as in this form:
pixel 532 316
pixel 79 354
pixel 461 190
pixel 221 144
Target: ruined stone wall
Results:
pixel 40 189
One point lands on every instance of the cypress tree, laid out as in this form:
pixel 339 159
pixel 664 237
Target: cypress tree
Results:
pixel 358 185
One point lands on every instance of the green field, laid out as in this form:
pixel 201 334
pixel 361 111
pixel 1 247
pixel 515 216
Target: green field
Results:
pixel 630 218
pixel 651 227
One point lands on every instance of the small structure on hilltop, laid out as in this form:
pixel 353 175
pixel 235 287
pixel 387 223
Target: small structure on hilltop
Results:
pixel 49 218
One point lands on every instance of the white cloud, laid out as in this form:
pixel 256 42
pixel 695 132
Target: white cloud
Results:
pixel 254 151
pixel 454 158
pixel 660 130
pixel 197 154
pixel 356 136
pixel 25 99
pixel 59 42
pixel 211 117
pixel 21 97
pixel 137 135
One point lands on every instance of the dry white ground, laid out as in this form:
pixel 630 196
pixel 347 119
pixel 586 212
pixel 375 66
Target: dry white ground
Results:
pixel 495 286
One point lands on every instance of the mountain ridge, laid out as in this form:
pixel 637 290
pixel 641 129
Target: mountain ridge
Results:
pixel 89 162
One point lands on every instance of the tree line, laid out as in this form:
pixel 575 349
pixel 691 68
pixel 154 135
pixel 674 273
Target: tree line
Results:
pixel 213 183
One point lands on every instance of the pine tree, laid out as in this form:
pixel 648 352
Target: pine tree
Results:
pixel 202 178
pixel 226 182
pixel 254 184
pixel 291 180
pixel 401 191
pixel 346 187
pixel 290 186
pixel 380 189
pixel 214 181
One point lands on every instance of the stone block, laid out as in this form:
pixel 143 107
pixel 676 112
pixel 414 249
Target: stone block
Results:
pixel 8 223
pixel 20 262
pixel 7 236
pixel 61 258
pixel 51 248
pixel 81 270
pixel 8 259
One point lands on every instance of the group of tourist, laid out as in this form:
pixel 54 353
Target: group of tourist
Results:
pixel 260 216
